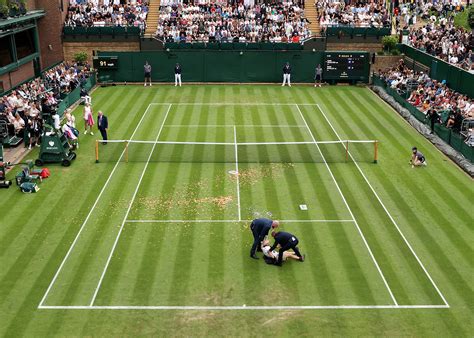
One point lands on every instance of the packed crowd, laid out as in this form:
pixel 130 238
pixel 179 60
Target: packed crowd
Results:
pixel 428 95
pixel 407 14
pixel 443 40
pixel 24 108
pixel 107 13
pixel 340 13
pixel 276 22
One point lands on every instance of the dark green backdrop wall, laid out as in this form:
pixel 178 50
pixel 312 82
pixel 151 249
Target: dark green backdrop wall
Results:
pixel 215 66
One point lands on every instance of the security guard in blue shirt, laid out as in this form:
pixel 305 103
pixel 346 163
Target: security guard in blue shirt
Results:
pixel 260 228
pixel 287 241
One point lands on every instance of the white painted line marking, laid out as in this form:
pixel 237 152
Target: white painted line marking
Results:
pixel 232 125
pixel 237 173
pixel 223 308
pixel 236 221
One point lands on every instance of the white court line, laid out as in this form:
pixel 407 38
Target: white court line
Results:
pixel 237 172
pixel 232 125
pixel 349 209
pixel 241 307
pixel 236 221
pixel 220 104
pixel 73 244
pixel 388 213
pixel 128 211
pixel 239 143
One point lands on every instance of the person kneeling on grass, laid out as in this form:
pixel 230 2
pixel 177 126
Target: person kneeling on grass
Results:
pixel 286 241
pixel 417 158
pixel 271 257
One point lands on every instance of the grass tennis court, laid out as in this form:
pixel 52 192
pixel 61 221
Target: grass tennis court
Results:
pixel 154 238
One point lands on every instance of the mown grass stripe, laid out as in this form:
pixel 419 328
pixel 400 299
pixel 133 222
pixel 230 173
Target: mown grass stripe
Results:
pixel 401 200
pixel 442 189
pixel 393 278
pixel 446 171
pixel 450 231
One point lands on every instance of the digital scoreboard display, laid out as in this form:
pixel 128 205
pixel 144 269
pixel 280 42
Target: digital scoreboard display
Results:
pixel 352 66
pixel 106 62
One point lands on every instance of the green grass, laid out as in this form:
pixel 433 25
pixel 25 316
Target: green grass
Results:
pixel 461 19
pixel 206 263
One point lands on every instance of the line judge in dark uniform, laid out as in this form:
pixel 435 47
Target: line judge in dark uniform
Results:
pixel 286 74
pixel 177 75
pixel 286 241
pixel 260 228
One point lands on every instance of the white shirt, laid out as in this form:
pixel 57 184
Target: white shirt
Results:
pixel 266 251
pixel 56 122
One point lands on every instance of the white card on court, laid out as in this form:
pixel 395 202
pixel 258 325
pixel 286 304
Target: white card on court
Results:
pixel 303 207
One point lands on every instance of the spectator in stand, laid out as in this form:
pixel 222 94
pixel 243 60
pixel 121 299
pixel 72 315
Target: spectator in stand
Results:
pixel 209 22
pixel 18 125
pixel 430 96
pixel 445 41
pixel 335 13
pixel 109 13
pixel 37 98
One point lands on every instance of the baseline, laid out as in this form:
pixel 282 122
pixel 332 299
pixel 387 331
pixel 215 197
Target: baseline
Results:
pixel 232 125
pixel 243 307
pixel 236 221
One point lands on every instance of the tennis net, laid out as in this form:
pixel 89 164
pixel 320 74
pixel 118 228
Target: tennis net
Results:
pixel 243 152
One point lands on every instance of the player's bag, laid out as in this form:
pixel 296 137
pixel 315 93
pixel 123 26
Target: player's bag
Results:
pixel 29 187
pixel 74 130
pixel 45 173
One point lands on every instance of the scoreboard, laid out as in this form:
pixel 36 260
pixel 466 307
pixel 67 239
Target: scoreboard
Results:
pixel 106 62
pixel 350 66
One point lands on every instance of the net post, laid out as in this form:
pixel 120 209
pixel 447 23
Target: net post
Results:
pixel 126 151
pixel 347 150
pixel 96 151
pixel 376 151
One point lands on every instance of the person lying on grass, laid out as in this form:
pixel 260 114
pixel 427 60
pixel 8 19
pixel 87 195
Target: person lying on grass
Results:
pixel 271 257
